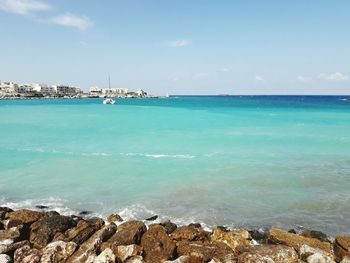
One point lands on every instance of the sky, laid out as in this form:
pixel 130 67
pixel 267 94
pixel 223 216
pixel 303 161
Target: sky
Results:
pixel 179 46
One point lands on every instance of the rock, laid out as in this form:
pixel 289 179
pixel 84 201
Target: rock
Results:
pixel 58 251
pixel 234 238
pixel 15 233
pixel 5 258
pixel 4 211
pixel 188 233
pixel 80 233
pixel 259 235
pixel 277 236
pixel 342 247
pixel 44 230
pixel 195 225
pixel 315 234
pixel 313 255
pixel 91 246
pixel 8 247
pixel 182 259
pixel 345 260
pixel 9 223
pixel 114 218
pixel 41 207
pixel 26 216
pixel 152 218
pixel 106 256
pixel 26 254
pixel 157 245
pixel 2 227
pixel 125 252
pixel 267 254
pixel 128 233
pixel 169 226
pixel 84 213
pixel 203 252
pixel 136 259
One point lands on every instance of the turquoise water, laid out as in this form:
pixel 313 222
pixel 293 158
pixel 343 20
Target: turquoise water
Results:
pixel 236 161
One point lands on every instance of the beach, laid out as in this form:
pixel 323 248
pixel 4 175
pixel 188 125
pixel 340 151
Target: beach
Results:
pixel 38 236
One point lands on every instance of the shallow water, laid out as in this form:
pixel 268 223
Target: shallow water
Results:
pixel 237 161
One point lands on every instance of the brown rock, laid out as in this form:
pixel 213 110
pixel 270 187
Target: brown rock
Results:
pixel 4 211
pixel 196 249
pixel 234 239
pixel 58 251
pixel 125 252
pixel 314 255
pixel 277 236
pixel 342 247
pixel 92 245
pixel 114 218
pixel 26 216
pixel 157 245
pixel 43 230
pixel 26 254
pixel 169 226
pixel 315 234
pixel 267 253
pixel 8 247
pixel 15 233
pixel 189 233
pixel 81 232
pixel 128 233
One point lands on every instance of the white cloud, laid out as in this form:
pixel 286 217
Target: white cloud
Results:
pixel 302 78
pixel 23 7
pixel 80 22
pixel 259 78
pixel 179 43
pixel 334 77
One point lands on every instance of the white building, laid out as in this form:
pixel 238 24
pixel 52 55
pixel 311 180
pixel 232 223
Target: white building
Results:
pixel 96 90
pixel 67 90
pixel 8 87
pixel 141 93
pixel 24 88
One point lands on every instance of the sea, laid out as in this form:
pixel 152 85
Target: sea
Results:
pixel 235 161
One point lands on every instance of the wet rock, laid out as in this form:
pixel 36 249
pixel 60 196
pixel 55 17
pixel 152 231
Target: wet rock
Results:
pixel 106 256
pixel 114 218
pixel 135 259
pixel 259 235
pixel 15 233
pixel 41 207
pixel 342 247
pixel 152 218
pixel 195 225
pixel 26 216
pixel 9 223
pixel 80 233
pixel 128 233
pixel 4 211
pixel 267 254
pixel 84 213
pixel 188 233
pixel 26 254
pixel 315 234
pixel 157 245
pixel 313 255
pixel 169 226
pixel 91 246
pixel 234 238
pixel 8 246
pixel 44 230
pixel 2 227
pixel 277 236
pixel 58 251
pixel 5 258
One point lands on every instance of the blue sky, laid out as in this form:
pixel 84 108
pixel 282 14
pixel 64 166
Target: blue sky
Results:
pixel 179 46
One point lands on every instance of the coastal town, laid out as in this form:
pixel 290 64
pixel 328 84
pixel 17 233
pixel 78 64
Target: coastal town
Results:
pixel 13 90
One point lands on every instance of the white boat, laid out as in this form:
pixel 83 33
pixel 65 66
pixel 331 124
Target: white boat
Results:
pixel 109 101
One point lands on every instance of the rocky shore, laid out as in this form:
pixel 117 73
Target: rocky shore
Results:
pixel 28 236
